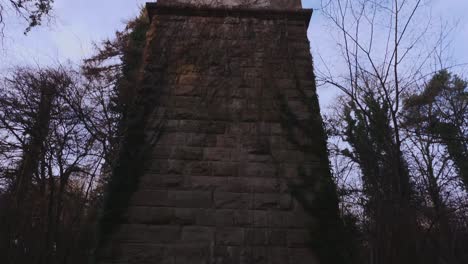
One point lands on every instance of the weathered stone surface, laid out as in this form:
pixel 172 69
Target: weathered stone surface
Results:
pixel 217 154
pixel 199 168
pixel 241 3
pixel 298 238
pixel 235 218
pixel 187 153
pixel 201 140
pixel 216 190
pixel 167 167
pixel 239 184
pixel 134 253
pixel 302 256
pixel 233 200
pixel 133 233
pixel 255 237
pixel 230 236
pixel 189 199
pixel 150 215
pixel 225 169
pixel 197 234
pixel 151 181
pixel 150 198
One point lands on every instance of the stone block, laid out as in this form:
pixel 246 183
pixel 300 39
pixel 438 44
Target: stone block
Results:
pixel 172 139
pixel 230 200
pixel 189 102
pixel 162 152
pixel 189 199
pixel 151 181
pixel 201 140
pixel 271 115
pixel 238 93
pixel 259 169
pixel 171 126
pixel 185 216
pixel 221 113
pixel 302 256
pixel 225 169
pixel 256 237
pixel 276 129
pixel 189 126
pixel 290 171
pixel 273 201
pixel 199 168
pixel 279 255
pixel 205 217
pixel 208 183
pixel 150 198
pixel 277 237
pixel 151 234
pixel 187 153
pixel 230 236
pixel 149 215
pixel 164 167
pixel 287 219
pixel 233 218
pixel 288 156
pixel 298 238
pixel 187 113
pixel 186 89
pixel 134 253
pixel 293 93
pixel 246 128
pixel 197 234
pixel 189 252
pixel 250 115
pixel 259 158
pixel 226 254
pixel 181 259
pixel 188 79
pixel 257 255
pixel 226 141
pixel 254 185
pixel 250 142
pixel 261 218
pixel 217 154
pixel 238 155
pixel 214 127
pixel 285 84
pixel 276 142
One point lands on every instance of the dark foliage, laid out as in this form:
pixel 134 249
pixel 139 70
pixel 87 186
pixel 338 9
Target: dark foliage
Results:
pixel 31 11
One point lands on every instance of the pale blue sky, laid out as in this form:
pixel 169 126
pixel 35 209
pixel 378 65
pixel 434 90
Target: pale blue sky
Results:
pixel 80 23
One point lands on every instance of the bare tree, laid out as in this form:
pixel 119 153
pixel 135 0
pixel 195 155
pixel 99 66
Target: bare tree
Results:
pixel 435 125
pixel 54 167
pixel 32 12
pixel 380 48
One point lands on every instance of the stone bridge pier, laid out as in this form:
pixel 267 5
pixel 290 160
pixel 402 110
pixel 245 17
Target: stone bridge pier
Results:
pixel 234 77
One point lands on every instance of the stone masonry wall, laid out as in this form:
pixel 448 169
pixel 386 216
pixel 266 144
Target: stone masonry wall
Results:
pixel 282 4
pixel 216 188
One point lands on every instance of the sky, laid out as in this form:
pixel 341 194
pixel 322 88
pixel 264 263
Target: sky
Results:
pixel 79 24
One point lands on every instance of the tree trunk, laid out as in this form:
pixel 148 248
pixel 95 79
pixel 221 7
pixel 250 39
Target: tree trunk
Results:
pixel 33 152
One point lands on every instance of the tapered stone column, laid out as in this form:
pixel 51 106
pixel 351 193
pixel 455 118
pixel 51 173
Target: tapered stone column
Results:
pixel 217 189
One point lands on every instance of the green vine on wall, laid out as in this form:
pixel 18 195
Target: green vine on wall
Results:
pixel 130 160
pixel 333 235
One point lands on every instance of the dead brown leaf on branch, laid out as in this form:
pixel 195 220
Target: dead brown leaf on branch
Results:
pixel 33 12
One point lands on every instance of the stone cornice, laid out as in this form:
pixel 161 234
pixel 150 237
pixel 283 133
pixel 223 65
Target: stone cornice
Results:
pixel 203 11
